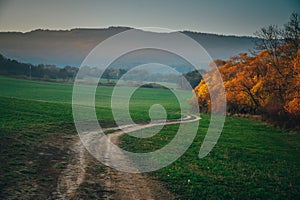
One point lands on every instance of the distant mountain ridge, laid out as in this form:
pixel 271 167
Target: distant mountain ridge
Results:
pixel 70 47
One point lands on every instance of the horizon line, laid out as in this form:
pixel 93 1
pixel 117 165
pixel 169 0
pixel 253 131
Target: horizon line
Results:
pixel 116 26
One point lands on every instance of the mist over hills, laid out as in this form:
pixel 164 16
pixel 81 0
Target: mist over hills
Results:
pixel 70 47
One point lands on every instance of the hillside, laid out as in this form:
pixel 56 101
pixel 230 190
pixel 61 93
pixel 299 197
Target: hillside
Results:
pixel 69 47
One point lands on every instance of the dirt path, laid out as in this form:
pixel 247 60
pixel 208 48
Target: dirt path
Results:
pixel 74 173
pixel 119 185
pixel 131 186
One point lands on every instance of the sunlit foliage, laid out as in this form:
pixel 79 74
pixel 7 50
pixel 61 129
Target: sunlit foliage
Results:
pixel 267 83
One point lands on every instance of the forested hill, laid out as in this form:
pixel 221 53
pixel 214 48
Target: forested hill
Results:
pixel 69 47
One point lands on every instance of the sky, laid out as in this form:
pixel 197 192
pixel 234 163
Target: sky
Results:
pixel 228 17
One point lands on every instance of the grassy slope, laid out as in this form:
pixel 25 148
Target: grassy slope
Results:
pixel 250 160
pixel 35 121
pixel 62 93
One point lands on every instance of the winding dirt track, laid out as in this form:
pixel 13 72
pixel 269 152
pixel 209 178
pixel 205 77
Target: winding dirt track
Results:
pixel 121 185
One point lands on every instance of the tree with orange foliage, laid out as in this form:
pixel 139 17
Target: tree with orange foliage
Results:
pixel 267 83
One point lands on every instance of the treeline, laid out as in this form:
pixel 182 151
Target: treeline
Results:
pixel 192 78
pixel 267 83
pixel 109 74
pixel 186 81
pixel 14 68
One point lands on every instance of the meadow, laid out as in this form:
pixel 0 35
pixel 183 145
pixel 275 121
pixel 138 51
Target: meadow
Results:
pixel 251 159
pixel 36 123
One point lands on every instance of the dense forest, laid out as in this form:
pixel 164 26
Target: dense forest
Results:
pixel 266 83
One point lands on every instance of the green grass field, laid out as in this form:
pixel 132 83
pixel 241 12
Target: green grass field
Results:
pixel 35 120
pixel 251 159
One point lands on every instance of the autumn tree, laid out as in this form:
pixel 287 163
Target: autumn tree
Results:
pixel 267 83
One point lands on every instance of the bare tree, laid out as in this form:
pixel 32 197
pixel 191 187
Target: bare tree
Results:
pixel 291 32
pixel 270 38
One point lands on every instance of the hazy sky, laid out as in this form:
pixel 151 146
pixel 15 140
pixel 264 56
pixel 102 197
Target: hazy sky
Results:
pixel 234 17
